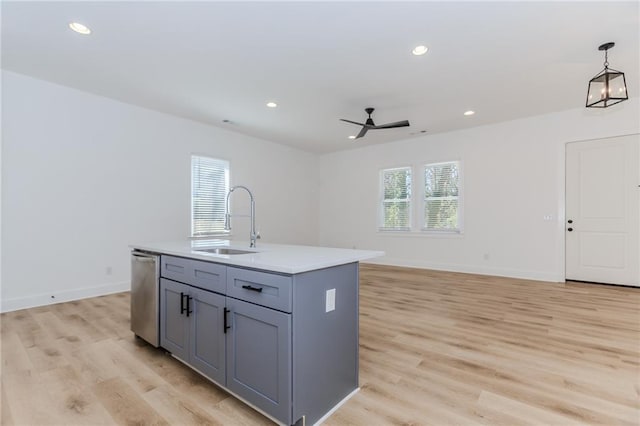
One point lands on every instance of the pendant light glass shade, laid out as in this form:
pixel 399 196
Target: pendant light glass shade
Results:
pixel 608 87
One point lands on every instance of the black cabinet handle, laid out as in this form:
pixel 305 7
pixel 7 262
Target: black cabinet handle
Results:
pixel 570 221
pixel 569 229
pixel 248 287
pixel 189 311
pixel 225 325
pixel 181 303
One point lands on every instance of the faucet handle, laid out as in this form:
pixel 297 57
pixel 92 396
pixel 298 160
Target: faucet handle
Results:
pixel 258 235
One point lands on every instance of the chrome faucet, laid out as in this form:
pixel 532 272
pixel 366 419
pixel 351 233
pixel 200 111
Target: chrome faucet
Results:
pixel 253 236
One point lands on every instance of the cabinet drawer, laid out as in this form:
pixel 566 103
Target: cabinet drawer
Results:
pixel 262 288
pixel 206 275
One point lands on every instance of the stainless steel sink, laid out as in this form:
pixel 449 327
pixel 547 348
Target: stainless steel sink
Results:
pixel 224 250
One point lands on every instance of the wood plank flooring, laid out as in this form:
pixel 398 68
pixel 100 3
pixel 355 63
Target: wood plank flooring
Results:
pixel 436 348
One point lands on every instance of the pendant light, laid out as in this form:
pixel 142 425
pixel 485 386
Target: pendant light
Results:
pixel 608 87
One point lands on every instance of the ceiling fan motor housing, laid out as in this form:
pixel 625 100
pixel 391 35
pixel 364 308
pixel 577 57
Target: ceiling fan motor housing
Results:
pixel 369 120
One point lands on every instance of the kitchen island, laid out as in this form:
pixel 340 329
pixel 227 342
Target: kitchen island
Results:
pixel 275 325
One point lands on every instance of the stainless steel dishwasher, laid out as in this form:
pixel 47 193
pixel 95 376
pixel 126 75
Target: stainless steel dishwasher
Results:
pixel 145 275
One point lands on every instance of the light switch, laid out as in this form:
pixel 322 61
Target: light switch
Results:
pixel 330 303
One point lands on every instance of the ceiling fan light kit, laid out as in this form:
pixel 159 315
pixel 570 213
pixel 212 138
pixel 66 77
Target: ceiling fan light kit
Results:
pixel 370 125
pixel 608 87
pixel 80 28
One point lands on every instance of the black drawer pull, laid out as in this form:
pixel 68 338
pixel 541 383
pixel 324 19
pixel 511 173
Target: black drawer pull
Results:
pixel 225 326
pixel 189 311
pixel 182 303
pixel 248 287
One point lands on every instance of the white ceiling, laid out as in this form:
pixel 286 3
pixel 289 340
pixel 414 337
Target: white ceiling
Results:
pixel 321 61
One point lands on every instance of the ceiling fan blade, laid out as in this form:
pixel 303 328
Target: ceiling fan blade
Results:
pixel 404 123
pixel 362 132
pixel 352 122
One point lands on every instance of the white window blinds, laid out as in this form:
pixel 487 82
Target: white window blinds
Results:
pixel 209 187
pixel 442 197
pixel 395 188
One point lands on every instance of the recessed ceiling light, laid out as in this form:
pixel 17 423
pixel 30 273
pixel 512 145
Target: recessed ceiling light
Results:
pixel 79 28
pixel 469 112
pixel 419 50
pixel 272 104
pixel 352 137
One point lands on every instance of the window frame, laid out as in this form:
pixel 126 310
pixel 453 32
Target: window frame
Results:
pixel 381 201
pixel 423 197
pixel 227 185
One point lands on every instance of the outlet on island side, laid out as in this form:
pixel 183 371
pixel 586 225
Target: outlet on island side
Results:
pixel 330 300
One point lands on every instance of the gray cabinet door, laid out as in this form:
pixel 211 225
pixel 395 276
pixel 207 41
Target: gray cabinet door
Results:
pixel 259 357
pixel 174 324
pixel 207 334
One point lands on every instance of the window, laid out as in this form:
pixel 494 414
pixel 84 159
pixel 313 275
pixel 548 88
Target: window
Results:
pixel 209 187
pixel 396 199
pixel 442 197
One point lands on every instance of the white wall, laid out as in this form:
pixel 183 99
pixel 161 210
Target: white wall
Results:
pixel 513 177
pixel 85 176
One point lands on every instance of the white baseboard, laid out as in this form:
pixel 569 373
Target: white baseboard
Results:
pixel 470 269
pixel 8 305
pixel 335 408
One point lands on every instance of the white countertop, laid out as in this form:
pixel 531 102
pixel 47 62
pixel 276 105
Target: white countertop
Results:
pixel 289 259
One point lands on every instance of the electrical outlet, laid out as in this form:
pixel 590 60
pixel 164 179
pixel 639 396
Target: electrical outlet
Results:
pixel 330 300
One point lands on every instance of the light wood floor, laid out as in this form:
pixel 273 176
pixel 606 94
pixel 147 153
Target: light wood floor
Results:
pixel 435 348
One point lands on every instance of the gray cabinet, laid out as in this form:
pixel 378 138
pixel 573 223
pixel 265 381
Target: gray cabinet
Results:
pixel 259 357
pixel 207 344
pixel 262 288
pixel 191 327
pixel 174 324
pixel 287 344
pixel 205 275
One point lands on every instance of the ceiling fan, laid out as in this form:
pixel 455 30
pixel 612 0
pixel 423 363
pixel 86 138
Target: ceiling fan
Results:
pixel 370 125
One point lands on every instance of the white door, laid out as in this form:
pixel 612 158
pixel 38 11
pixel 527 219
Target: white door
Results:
pixel 602 228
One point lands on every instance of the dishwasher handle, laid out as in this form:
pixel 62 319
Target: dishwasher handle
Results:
pixel 143 258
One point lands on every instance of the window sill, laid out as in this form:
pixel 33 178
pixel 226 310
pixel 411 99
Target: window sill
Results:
pixel 421 234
